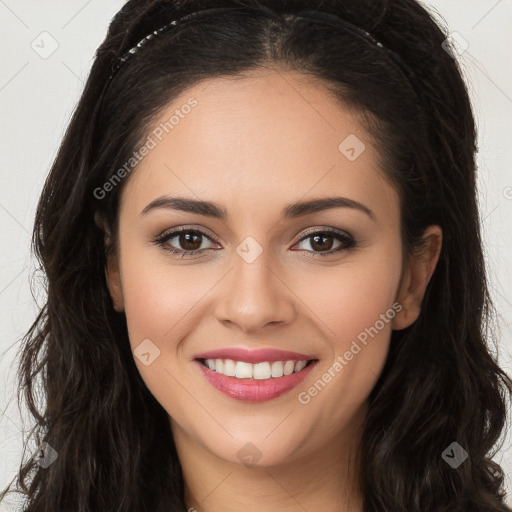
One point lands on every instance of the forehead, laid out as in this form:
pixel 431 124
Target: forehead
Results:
pixel 268 136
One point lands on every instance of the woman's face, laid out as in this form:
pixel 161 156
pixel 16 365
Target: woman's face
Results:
pixel 261 151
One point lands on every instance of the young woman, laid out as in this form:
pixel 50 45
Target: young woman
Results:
pixel 266 288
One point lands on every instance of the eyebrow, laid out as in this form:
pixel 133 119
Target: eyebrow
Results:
pixel 292 211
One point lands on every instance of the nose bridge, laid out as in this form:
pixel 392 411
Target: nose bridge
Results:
pixel 254 295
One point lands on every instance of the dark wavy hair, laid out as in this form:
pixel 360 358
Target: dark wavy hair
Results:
pixel 440 383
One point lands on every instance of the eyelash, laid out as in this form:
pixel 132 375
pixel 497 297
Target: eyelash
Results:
pixel 348 242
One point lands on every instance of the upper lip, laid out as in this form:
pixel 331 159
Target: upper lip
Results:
pixel 254 356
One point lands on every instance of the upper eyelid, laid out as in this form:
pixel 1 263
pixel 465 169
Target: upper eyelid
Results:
pixel 169 234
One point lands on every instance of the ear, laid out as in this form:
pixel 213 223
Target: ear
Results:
pixel 416 276
pixel 112 273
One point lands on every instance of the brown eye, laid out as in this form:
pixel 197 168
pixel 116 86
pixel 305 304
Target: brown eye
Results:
pixel 185 242
pixel 189 240
pixel 322 242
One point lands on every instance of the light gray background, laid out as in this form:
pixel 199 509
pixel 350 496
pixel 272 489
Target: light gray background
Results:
pixel 38 95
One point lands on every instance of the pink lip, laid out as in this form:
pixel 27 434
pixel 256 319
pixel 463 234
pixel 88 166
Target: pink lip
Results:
pixel 254 356
pixel 254 390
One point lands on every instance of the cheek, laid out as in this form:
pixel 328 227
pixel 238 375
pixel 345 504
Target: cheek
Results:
pixel 352 297
pixel 161 303
pixel 356 306
pixel 159 296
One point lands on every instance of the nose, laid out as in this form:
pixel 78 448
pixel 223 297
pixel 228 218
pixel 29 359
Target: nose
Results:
pixel 255 295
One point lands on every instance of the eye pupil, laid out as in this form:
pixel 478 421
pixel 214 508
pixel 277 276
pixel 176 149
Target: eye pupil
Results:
pixel 316 245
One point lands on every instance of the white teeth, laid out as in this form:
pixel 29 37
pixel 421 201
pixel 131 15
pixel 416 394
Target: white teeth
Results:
pixel 276 369
pixel 288 367
pixel 242 370
pixel 259 371
pixel 229 368
pixel 300 365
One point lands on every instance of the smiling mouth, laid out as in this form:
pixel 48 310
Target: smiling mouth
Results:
pixel 256 371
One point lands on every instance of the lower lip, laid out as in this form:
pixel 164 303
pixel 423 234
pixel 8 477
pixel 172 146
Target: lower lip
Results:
pixel 254 390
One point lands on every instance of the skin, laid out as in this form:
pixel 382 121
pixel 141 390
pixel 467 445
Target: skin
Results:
pixel 254 145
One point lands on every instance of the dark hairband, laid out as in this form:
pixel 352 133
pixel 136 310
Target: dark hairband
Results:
pixel 329 18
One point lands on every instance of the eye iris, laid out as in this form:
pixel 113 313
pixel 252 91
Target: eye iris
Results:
pixel 186 242
pixel 316 245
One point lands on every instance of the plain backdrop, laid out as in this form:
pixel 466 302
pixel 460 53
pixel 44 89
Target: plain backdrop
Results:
pixel 47 49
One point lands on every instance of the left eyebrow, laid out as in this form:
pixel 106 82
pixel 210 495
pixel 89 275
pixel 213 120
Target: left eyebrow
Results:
pixel 291 211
